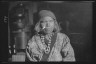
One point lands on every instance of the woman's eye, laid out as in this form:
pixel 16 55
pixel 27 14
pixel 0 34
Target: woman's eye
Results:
pixel 42 21
pixel 51 20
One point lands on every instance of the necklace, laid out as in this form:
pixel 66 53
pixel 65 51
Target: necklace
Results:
pixel 47 45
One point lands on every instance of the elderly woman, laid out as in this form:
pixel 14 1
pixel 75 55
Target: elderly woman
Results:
pixel 49 44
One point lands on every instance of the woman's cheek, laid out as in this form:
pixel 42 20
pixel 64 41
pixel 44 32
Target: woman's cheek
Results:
pixel 43 24
pixel 52 25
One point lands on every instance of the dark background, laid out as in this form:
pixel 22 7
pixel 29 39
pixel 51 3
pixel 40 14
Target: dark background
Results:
pixel 75 19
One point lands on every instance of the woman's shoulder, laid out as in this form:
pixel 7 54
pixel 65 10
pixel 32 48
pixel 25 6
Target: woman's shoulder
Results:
pixel 62 34
pixel 35 35
pixel 32 38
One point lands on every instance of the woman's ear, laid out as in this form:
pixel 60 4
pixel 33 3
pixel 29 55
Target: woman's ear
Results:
pixel 37 27
pixel 40 25
pixel 54 30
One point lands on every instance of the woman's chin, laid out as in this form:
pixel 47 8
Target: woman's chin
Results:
pixel 48 32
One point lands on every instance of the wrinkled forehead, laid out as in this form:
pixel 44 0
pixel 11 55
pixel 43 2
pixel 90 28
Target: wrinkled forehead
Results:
pixel 47 18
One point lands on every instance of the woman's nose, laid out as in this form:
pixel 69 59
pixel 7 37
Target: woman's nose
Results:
pixel 47 24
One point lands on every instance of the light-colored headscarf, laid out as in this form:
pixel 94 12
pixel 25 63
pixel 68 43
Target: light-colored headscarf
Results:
pixel 44 13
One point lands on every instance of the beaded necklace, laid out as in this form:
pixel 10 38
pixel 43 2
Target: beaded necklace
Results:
pixel 47 45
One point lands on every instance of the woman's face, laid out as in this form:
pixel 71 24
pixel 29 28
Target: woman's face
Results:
pixel 48 23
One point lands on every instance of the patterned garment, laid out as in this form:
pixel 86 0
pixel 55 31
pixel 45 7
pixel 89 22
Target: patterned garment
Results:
pixel 60 49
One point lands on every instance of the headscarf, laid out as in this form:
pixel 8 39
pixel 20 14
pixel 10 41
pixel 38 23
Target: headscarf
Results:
pixel 44 13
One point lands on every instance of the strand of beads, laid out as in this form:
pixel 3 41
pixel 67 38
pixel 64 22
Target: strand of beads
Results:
pixel 47 48
pixel 42 40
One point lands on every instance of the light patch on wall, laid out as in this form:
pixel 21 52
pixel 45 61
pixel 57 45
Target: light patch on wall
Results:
pixel 54 1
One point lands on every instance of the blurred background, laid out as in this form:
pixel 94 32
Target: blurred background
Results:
pixel 75 19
